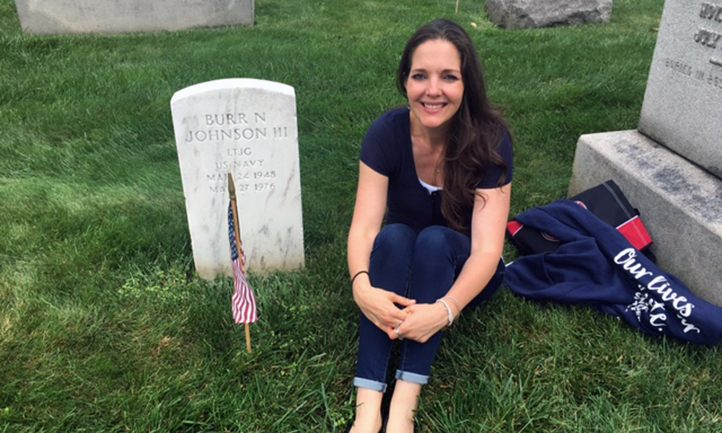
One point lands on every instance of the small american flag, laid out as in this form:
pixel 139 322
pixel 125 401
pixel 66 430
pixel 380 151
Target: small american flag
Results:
pixel 243 301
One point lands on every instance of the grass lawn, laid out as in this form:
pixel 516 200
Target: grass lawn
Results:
pixel 104 326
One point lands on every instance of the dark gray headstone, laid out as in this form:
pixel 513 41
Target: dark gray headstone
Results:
pixel 526 14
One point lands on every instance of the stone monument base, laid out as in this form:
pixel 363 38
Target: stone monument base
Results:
pixel 680 204
pixel 57 17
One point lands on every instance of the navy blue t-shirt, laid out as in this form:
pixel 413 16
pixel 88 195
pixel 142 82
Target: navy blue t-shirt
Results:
pixel 388 151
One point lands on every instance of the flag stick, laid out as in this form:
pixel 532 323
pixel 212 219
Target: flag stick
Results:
pixel 237 230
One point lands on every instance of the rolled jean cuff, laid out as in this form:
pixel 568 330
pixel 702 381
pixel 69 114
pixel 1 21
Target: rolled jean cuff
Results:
pixel 406 376
pixel 360 382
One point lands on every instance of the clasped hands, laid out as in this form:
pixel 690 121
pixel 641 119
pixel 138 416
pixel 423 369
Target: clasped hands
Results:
pixel 398 316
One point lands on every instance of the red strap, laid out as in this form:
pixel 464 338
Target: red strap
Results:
pixel 514 226
pixel 636 233
pixel 633 230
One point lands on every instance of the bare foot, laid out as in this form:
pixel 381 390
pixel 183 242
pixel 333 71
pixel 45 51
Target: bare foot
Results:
pixel 403 407
pixel 368 412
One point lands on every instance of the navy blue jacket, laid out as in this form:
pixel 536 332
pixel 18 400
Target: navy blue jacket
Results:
pixel 596 265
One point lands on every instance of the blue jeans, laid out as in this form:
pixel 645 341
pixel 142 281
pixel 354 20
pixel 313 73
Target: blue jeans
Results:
pixel 419 266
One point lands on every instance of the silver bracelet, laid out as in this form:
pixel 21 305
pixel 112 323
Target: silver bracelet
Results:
pixel 448 311
pixel 454 301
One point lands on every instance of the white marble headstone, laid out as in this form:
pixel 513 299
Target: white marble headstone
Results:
pixel 246 127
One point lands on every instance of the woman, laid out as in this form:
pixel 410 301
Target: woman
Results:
pixel 442 167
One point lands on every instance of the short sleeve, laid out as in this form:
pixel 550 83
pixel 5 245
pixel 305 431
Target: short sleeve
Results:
pixel 495 173
pixel 379 149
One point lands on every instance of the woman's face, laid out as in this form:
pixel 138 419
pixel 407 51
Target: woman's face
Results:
pixel 434 87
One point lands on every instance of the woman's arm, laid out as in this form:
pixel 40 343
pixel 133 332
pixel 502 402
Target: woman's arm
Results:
pixel 488 224
pixel 376 304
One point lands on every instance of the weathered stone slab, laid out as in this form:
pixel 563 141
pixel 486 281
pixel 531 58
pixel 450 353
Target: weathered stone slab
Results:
pixel 526 14
pixel 683 99
pixel 680 204
pixel 247 128
pixel 48 17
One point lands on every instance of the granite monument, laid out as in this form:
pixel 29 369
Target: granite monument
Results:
pixel 671 166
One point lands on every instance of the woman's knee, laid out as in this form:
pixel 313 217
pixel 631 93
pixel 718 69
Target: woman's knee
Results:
pixel 391 258
pixel 437 243
pixel 433 237
pixel 394 239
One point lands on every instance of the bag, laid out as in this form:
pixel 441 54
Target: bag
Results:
pixel 608 203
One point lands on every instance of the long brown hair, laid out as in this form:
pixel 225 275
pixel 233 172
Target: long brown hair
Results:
pixel 477 128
